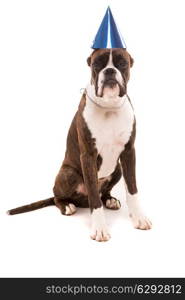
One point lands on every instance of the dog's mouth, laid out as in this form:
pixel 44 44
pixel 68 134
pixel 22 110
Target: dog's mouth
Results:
pixel 112 84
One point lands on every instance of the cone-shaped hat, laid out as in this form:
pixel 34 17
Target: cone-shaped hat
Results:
pixel 108 35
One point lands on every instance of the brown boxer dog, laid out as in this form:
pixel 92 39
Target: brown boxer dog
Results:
pixel 100 147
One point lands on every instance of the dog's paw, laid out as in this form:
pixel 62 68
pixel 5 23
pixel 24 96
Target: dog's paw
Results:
pixel 70 209
pixel 140 221
pixel 100 233
pixel 113 203
pixel 99 230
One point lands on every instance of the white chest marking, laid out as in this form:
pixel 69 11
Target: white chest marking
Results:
pixel 111 129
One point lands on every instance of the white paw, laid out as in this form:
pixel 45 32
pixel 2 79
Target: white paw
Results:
pixel 100 233
pixel 70 209
pixel 140 221
pixel 113 203
pixel 99 230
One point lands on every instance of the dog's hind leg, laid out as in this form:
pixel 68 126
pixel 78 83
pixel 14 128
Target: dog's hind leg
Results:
pixel 66 191
pixel 66 207
pixel 108 200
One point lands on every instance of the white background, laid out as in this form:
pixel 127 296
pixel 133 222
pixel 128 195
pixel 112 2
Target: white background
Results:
pixel 43 51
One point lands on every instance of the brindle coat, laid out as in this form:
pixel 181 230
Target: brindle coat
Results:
pixel 77 181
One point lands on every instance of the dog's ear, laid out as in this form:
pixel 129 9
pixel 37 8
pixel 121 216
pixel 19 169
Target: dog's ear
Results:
pixel 89 61
pixel 131 61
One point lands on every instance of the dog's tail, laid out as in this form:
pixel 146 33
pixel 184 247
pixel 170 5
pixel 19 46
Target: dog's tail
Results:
pixel 32 206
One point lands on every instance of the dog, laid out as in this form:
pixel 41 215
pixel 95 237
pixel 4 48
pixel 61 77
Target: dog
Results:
pixel 100 147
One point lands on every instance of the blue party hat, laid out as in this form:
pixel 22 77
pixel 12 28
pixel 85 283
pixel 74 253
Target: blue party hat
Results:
pixel 108 35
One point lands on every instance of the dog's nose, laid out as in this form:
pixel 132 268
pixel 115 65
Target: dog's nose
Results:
pixel 109 71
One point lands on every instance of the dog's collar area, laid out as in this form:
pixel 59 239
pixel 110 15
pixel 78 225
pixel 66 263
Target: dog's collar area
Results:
pixel 105 107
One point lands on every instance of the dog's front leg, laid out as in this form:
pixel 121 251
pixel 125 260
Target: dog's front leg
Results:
pixel 127 158
pixel 98 227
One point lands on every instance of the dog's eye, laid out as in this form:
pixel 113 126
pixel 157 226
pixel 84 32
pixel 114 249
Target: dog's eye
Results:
pixel 97 66
pixel 121 64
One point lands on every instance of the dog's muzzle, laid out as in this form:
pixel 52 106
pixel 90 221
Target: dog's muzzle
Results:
pixel 110 81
